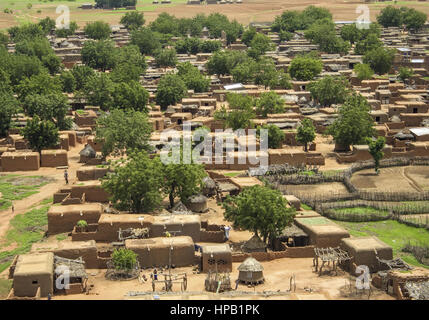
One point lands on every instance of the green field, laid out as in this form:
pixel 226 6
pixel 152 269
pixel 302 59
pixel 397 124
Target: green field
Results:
pixel 15 187
pixel 25 230
pixel 393 233
pixel 39 9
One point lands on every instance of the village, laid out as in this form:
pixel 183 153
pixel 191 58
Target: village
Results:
pixel 202 159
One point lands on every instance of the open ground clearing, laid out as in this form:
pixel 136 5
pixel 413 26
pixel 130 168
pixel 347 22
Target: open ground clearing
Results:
pixel 248 11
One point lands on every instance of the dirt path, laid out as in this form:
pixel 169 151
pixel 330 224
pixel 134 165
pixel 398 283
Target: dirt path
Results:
pixel 24 205
pixel 410 180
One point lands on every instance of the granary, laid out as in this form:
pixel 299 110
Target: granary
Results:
pixel 163 251
pixel 254 244
pixel 33 272
pixel 216 257
pixel 198 203
pixel 250 272
pixel 87 153
pixel 365 250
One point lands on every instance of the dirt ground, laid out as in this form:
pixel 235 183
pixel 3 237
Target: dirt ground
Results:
pixel 395 179
pixel 248 11
pixel 277 275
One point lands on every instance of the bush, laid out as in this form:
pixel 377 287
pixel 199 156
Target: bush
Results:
pixel 124 259
pixel 97 30
pixel 82 224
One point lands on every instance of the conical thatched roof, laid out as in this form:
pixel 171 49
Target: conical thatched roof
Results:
pixel 88 151
pixel 180 208
pixel 250 265
pixel 254 243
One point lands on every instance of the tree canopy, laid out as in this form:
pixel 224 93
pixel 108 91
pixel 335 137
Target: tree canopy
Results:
pixel 329 90
pixel 123 131
pixel 40 134
pixel 97 30
pixel 354 123
pixel 135 183
pixel 306 133
pixel 171 89
pixel 260 210
pixel 305 68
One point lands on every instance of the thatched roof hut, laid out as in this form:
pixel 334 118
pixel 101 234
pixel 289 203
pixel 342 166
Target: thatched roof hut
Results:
pixel 88 151
pixel 254 244
pixel 250 272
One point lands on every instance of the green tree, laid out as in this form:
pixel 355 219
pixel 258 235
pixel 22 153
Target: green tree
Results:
pixel 130 64
pixel 259 45
pixel 40 134
pixel 166 58
pixel 390 17
pixel 99 54
pixel 66 32
pixel 98 91
pixel 305 68
pixel 405 74
pixel 47 24
pixel 147 41
pixel 68 81
pixel 193 78
pixel 414 20
pixel 363 71
pixel 367 44
pixel 222 62
pixel 124 259
pixel 323 33
pixel 376 150
pixel 82 74
pixel 4 39
pixel 8 108
pixel 135 183
pixel 260 210
pixel 26 31
pixel 351 33
pixel 245 72
pixel 171 89
pixel 133 20
pixel 182 180
pixel 209 46
pixel 240 114
pixel 306 133
pixel 268 103
pixel 329 90
pixel 41 83
pixel 275 136
pixel 380 60
pixel 52 107
pixel 354 123
pixel 122 131
pixel 97 30
pixel 248 35
pixel 129 96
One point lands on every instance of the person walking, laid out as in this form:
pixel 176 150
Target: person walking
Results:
pixel 13 208
pixel 66 176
